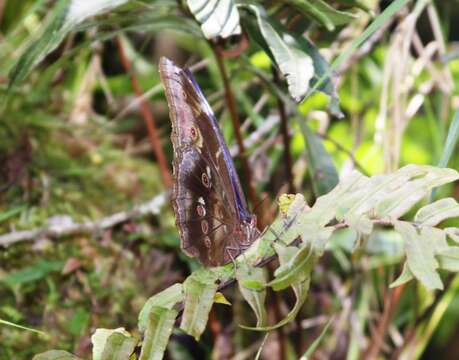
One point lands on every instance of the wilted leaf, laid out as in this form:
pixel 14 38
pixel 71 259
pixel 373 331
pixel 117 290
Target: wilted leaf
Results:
pixel 295 65
pixel 217 17
pixel 438 211
pixel 254 297
pixel 420 253
pixel 200 288
pixel 159 329
pixel 55 355
pixel 165 299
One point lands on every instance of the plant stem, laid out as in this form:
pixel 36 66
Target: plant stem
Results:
pixel 147 117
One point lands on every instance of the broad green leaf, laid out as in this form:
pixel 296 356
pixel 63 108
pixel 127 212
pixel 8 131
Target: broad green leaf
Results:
pixel 99 340
pixel 438 211
pixel 448 258
pixel 295 65
pixel 118 347
pixel 200 288
pixel 323 172
pixel 4 322
pixel 420 254
pixel 55 355
pixel 159 329
pixel 64 18
pixel 323 13
pixel 296 269
pixel 165 299
pixel 404 277
pixel 217 17
pixel 254 297
pixel 313 347
pixel 32 273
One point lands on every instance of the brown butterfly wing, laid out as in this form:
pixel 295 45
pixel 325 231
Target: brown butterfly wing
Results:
pixel 210 208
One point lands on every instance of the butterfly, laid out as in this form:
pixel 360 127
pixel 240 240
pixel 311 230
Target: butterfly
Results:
pixel 211 212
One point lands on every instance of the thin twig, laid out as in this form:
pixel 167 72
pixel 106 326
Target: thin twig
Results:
pixel 285 136
pixel 64 225
pixel 147 117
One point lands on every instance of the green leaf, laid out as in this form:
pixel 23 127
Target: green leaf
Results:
pixel 64 18
pixel 217 17
pixel 165 299
pixel 453 233
pixel 420 255
pixel 32 273
pixel 159 329
pixel 296 270
pixel 438 211
pixel 118 347
pixel 294 64
pixel 100 338
pixel 200 288
pixel 254 297
pixel 448 258
pixel 323 172
pixel 451 141
pixel 55 355
pixel 11 212
pixel 323 13
pixel 404 277
pixel 313 347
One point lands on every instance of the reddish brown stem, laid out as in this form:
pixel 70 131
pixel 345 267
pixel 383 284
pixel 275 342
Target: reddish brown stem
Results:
pixel 285 136
pixel 391 300
pixel 237 128
pixel 147 117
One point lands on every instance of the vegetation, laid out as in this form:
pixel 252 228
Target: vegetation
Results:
pixel 342 120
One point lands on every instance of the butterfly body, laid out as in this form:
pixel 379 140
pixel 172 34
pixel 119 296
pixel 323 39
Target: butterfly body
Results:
pixel 211 212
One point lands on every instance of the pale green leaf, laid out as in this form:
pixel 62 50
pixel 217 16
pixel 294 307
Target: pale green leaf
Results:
pixel 434 213
pixel 158 331
pixel 165 299
pixel 294 64
pixel 448 258
pixel 118 347
pixel 55 355
pixel 420 253
pixel 453 233
pixel 254 297
pixel 404 277
pixel 217 17
pixel 296 266
pixel 99 340
pixel 200 288
pixel 4 322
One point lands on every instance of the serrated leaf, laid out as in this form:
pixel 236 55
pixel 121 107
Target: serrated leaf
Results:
pixel 165 299
pixel 217 17
pixel 324 176
pixel 420 254
pixel 434 213
pixel 323 13
pixel 64 18
pixel 118 347
pixel 296 266
pixel 99 340
pixel 158 331
pixel 254 297
pixel 55 355
pixel 448 258
pixel 200 288
pixel 404 277
pixel 294 64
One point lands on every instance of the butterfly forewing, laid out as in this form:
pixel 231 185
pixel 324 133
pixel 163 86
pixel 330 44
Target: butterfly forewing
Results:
pixel 211 211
